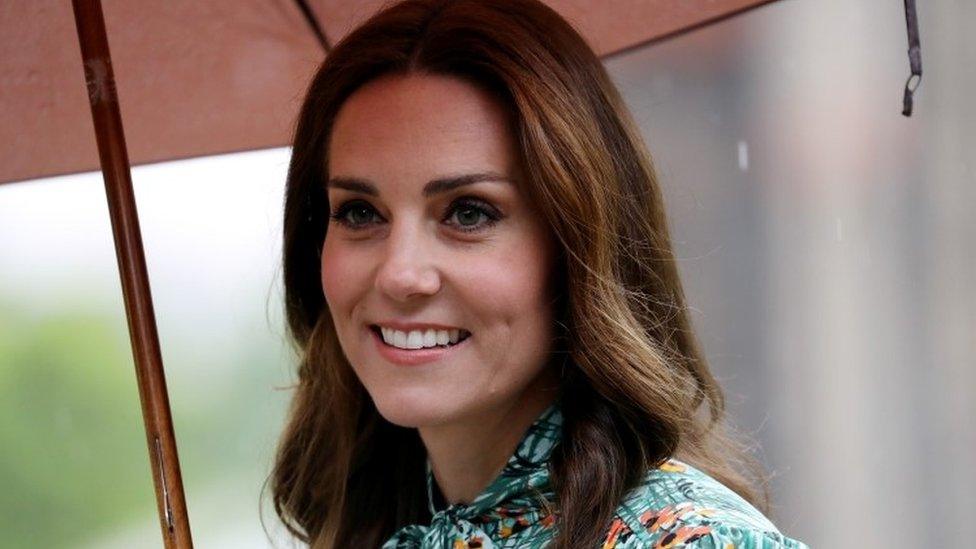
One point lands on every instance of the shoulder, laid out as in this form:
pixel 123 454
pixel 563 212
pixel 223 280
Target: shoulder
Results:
pixel 678 505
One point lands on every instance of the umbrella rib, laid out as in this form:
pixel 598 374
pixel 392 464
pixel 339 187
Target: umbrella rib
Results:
pixel 313 24
pixel 684 30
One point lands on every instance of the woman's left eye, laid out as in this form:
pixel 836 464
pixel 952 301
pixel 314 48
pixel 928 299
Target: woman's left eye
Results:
pixel 472 215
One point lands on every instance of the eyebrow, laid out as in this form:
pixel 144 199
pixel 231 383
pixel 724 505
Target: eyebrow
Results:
pixel 432 187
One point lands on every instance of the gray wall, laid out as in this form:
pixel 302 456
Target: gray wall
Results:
pixel 827 247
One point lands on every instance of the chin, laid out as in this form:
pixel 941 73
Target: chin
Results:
pixel 415 410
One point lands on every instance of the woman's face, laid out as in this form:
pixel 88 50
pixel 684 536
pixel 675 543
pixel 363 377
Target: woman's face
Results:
pixel 433 241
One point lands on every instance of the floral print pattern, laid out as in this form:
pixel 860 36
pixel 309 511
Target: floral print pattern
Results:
pixel 676 506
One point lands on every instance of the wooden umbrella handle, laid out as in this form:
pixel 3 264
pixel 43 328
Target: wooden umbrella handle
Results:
pixel 132 269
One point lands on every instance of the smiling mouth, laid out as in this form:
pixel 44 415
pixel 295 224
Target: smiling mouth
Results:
pixel 420 339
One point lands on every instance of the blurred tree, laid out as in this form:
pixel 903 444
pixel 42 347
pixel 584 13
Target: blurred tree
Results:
pixel 70 429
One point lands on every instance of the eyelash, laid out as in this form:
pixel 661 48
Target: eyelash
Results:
pixel 490 213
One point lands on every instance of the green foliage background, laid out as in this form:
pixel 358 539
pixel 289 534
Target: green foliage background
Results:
pixel 74 464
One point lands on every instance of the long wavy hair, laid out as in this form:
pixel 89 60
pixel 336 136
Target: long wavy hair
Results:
pixel 640 388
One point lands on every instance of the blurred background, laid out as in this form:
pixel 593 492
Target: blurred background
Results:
pixel 827 245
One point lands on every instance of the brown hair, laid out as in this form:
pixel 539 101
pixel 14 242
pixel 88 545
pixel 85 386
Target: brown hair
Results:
pixel 640 388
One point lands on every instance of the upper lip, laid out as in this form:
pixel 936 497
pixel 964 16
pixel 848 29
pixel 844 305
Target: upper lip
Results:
pixel 411 326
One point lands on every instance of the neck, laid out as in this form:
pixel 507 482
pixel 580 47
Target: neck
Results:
pixel 466 455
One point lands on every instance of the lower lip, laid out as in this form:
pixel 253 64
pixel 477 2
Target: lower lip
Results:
pixel 413 357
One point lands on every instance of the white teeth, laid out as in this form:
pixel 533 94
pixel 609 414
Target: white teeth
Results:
pixel 415 340
pixel 419 339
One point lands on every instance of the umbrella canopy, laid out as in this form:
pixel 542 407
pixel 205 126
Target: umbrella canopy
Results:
pixel 201 77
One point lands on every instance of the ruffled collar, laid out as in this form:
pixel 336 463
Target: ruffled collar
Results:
pixel 517 502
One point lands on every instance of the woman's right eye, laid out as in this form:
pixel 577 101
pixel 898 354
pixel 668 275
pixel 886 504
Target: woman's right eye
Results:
pixel 355 214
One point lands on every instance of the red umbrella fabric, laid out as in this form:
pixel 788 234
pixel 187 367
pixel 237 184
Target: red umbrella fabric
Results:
pixel 202 77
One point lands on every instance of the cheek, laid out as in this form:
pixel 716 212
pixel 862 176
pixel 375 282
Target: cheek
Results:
pixel 512 286
pixel 528 276
pixel 329 273
pixel 338 268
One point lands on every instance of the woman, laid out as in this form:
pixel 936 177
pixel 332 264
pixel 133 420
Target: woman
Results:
pixel 495 348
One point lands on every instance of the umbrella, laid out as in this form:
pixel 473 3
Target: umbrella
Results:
pixel 203 77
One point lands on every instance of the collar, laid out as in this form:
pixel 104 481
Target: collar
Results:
pixel 517 502
pixel 522 474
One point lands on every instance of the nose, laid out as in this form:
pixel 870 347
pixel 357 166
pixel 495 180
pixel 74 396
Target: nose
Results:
pixel 408 270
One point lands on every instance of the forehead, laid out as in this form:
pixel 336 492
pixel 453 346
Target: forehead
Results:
pixel 420 125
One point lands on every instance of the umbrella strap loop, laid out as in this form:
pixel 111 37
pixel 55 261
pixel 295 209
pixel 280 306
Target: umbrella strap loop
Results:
pixel 914 57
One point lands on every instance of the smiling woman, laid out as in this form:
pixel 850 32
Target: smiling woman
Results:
pixel 442 239
pixel 495 346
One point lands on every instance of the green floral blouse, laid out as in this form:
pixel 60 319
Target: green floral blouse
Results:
pixel 676 505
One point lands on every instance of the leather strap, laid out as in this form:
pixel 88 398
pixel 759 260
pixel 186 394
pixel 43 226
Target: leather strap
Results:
pixel 914 57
